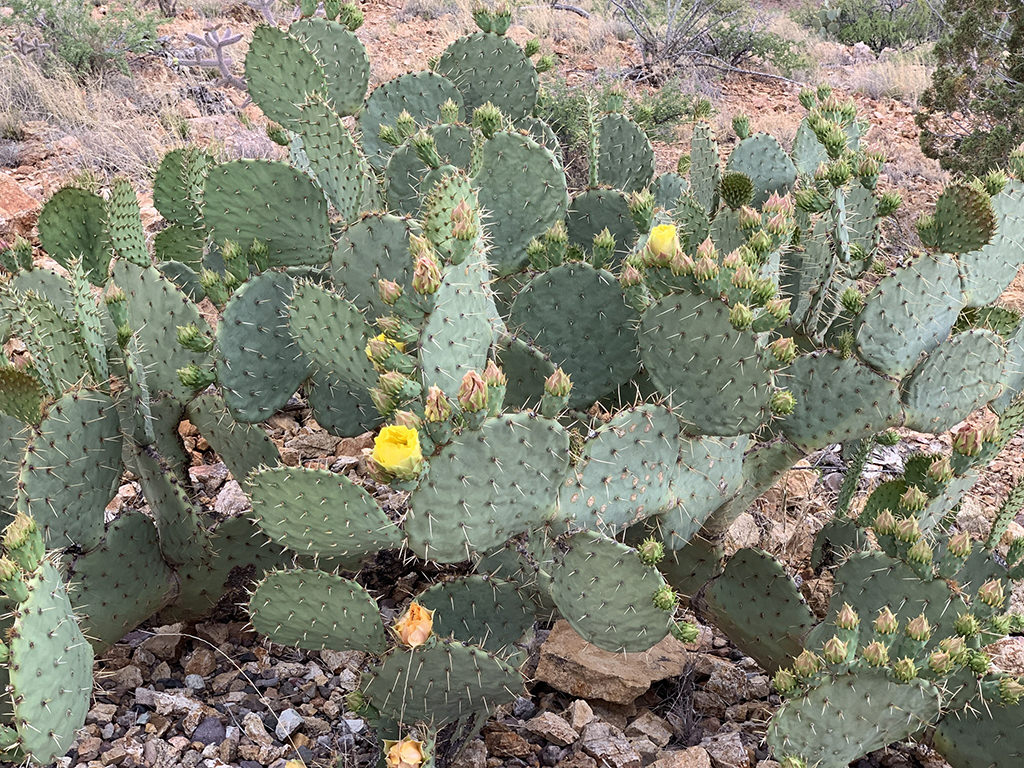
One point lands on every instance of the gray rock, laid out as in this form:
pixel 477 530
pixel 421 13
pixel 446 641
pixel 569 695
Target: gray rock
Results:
pixel 209 731
pixel 727 751
pixel 474 755
pixel 608 746
pixel 231 500
pixel 288 722
pixel 195 682
pixel 552 728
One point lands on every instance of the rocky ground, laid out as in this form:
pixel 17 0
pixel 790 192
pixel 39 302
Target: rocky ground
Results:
pixel 215 694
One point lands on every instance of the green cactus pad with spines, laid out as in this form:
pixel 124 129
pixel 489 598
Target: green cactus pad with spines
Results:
pixel 316 610
pixel 72 225
pixel 603 590
pixel 452 188
pixel 625 156
pixel 184 538
pixel 337 408
pixel 155 309
pixel 522 192
pixel 838 400
pixel 59 357
pixel 766 164
pixel 405 685
pixel 625 472
pixel 964 219
pixel 405 176
pixel 332 333
pixel 1014 380
pixel 806 270
pixel 480 610
pixel 870 581
pixel 958 377
pixel 320 513
pixel 13 435
pixel 691 567
pixel 865 710
pixel 759 607
pixel 50 668
pixel 909 313
pixel 178 185
pixel 527 367
pixel 486 486
pixel 861 218
pixel 711 471
pixel 561 310
pixel 374 248
pixel 260 365
pixel 726 233
pixel 421 94
pixel 236 543
pixel 763 466
pixel 179 243
pixel 90 322
pixel 667 189
pixel 884 496
pixel 135 400
pixel 333 157
pixel 989 270
pixel 989 736
pixel 281 73
pixel 714 375
pixel 342 57
pixel 459 330
pixel 184 278
pixel 242 447
pixel 705 169
pixel 691 220
pixel 540 132
pixel 124 224
pixel 70 469
pixel 594 210
pixel 491 68
pixel 52 286
pixel 122 582
pixel 292 221
pixel 21 394
pixel 837 540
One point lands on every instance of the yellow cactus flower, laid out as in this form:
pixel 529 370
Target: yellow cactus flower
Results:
pixel 663 240
pixel 400 346
pixel 295 764
pixel 396 450
pixel 407 753
pixel 415 626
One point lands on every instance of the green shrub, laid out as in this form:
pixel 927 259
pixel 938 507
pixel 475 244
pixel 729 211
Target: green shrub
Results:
pixel 972 116
pixel 79 41
pixel 879 24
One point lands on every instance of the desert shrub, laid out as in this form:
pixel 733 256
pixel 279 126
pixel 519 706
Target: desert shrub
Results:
pixel 972 116
pixel 879 24
pixel 81 42
pixel 716 34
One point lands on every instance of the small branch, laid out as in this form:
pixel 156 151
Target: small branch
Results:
pixel 726 67
pixel 572 8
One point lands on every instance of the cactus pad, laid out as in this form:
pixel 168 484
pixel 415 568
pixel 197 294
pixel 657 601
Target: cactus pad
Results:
pixel 343 58
pixel 989 270
pixel 487 612
pixel 592 211
pixel 242 447
pixel 71 226
pixel 625 157
pixel 374 248
pixel 280 73
pixel 333 156
pixel 491 68
pixel 760 158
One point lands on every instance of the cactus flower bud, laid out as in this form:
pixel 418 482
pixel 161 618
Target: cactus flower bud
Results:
pixel 741 316
pixel 919 629
pixel 760 242
pixel 684 631
pixel 407 419
pixel 955 647
pixel 450 111
pixel 876 654
pixel 749 218
pixel 558 384
pixel 978 662
pixel 472 393
pixel 1010 690
pixel 889 438
pixel 905 670
pixel 493 375
pixel 464 226
pixel 920 552
pixel 834 651
pixel 11 582
pixel 407 753
pixel 779 309
pixel 392 382
pixel 651 552
pixel 778 225
pixel 783 349
pixel 907 530
pixel 966 625
pixel 390 291
pixel 733 260
pixel 886 623
pixel 806 665
pixel 488 119
pixel 437 408
pixel 389 135
pixel 405 124
pixel 705 268
pixel 967 441
pixel 852 300
pixel 940 470
pixel 741 125
pixel 847 618
pixel 914 499
pixel 382 401
pixel 960 545
pixel 782 403
pixel 940 662
pixel 396 451
pixel 426 276
pixel 784 681
pixel 683 165
pixel 791 761
pixel 24 542
pixel 630 276
pixel 603 247
pixel 991 593
pixel 665 598
pixel 195 378
pixel 426 149
pixel 888 203
pixel 885 523
pixel 743 278
pixel 192 338
pixel 545 63
pixel 415 626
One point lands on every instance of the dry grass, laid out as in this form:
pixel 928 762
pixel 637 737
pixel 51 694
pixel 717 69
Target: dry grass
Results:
pixel 96 126
pixel 903 76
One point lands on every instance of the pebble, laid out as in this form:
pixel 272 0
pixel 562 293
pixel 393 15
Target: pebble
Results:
pixel 288 722
pixel 209 731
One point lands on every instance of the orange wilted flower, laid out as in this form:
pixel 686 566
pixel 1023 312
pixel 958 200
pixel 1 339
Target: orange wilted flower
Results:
pixel 407 753
pixel 415 626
